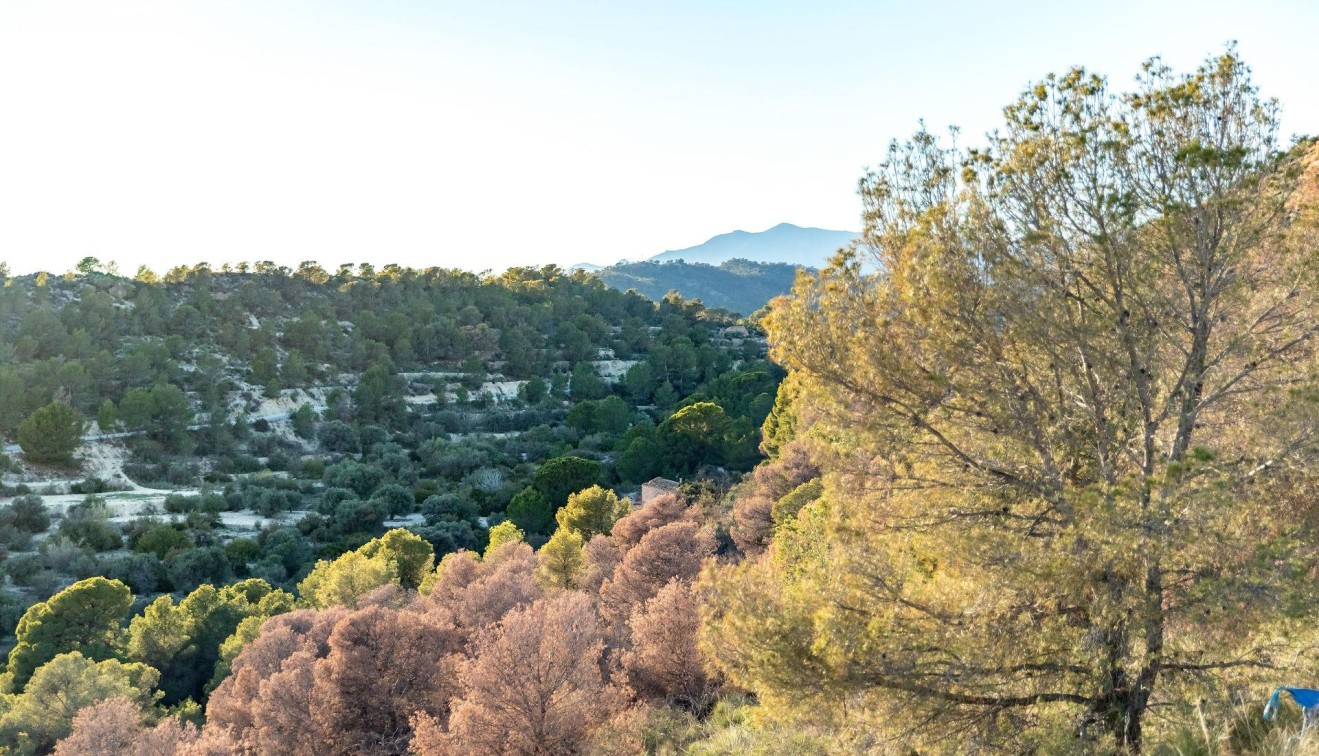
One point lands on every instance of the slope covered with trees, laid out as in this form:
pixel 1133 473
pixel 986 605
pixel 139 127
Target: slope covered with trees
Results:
pixel 1037 480
pixel 293 414
pixel 738 285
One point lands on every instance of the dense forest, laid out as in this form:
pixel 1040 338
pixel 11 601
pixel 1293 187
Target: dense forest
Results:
pixel 1028 469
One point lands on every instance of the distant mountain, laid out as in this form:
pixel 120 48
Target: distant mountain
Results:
pixel 742 286
pixel 785 243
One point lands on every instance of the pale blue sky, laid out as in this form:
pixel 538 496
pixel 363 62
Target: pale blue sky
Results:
pixel 486 134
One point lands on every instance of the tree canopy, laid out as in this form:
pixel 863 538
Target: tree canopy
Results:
pixel 51 434
pixel 1062 404
pixel 592 511
pixel 85 617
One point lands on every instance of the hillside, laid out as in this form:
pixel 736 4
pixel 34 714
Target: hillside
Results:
pixel 784 243
pixel 1039 487
pixel 230 437
pixel 326 407
pixel 741 286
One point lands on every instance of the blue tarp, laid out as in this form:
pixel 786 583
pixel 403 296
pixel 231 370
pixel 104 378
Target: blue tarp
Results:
pixel 1305 698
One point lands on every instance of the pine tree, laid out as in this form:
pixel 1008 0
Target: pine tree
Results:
pixel 561 558
pixel 503 533
pixel 51 434
pixel 85 617
pixel 591 511
pixel 1061 412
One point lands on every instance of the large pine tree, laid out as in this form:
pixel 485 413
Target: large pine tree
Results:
pixel 1068 420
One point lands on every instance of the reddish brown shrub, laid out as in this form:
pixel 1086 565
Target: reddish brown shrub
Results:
pixel 534 686
pixel 600 558
pixel 664 662
pixel 753 523
pixel 114 727
pixel 503 584
pixel 337 681
pixel 656 513
pixel 383 667
pixel 672 551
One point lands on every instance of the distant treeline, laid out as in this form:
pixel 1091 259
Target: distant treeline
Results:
pixel 741 286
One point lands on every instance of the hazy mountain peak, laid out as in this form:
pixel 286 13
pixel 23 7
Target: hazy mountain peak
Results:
pixel 784 243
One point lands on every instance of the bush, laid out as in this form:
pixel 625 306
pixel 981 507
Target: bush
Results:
pixel 182 473
pixel 449 507
pixel 338 436
pixel 269 570
pixel 68 558
pixel 11 538
pixel 264 445
pixel 147 451
pixel 143 572
pixel 449 460
pixel 370 435
pixel 310 468
pixel 28 514
pixel 450 536
pixel 162 539
pixel 46 584
pixel 304 421
pixel 242 552
pixel 269 502
pixel 240 464
pixel 24 568
pixel 331 498
pixel 143 473
pixel 396 462
pixel 286 546
pixel 91 486
pixel 189 569
pixel 359 517
pixel 88 524
pixel 396 499
pixel 180 504
pixel 363 479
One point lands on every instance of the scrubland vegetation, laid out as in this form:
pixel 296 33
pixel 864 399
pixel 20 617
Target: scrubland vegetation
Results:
pixel 1027 470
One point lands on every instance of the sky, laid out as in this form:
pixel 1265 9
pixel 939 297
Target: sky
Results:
pixel 483 134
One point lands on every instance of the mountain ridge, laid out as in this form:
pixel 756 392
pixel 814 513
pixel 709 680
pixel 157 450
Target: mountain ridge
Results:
pixel 784 243
pixel 738 285
pixel 738 271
